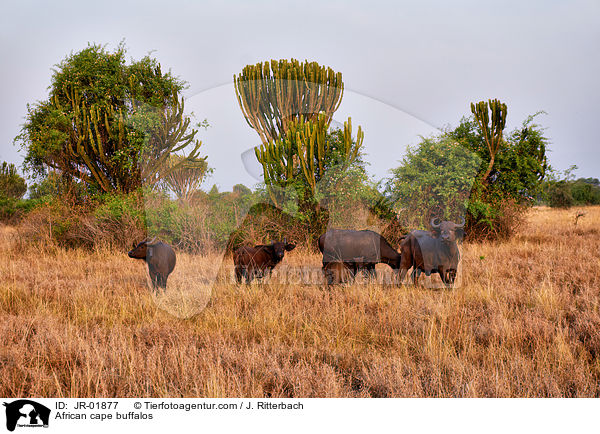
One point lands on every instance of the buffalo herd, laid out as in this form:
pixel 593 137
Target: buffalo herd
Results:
pixel 345 254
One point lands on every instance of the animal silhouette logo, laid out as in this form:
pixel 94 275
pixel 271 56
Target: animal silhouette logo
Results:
pixel 26 413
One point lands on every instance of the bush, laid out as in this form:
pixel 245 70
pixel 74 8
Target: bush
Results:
pixel 564 191
pixel 56 222
pixel 435 179
pixel 443 177
pixel 559 195
pixel 585 192
pixel 13 210
pixel 12 185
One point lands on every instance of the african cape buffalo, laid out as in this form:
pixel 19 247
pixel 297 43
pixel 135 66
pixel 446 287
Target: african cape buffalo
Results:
pixel 357 250
pixel 432 252
pixel 160 258
pixel 255 262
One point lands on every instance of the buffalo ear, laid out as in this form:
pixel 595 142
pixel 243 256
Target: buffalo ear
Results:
pixel 290 246
pixel 460 233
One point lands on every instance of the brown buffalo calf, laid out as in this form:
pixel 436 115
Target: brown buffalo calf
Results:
pixel 257 261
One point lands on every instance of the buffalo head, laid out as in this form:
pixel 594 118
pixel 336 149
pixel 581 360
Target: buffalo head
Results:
pixel 140 251
pixel 447 231
pixel 279 248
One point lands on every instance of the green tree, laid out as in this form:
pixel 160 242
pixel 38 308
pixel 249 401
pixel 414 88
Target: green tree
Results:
pixel 108 124
pixel 586 191
pixel 290 105
pixel 434 179
pixel 562 190
pixel 12 185
pixel 461 168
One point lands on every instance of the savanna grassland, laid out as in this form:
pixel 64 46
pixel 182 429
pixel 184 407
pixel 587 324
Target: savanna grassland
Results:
pixel 524 322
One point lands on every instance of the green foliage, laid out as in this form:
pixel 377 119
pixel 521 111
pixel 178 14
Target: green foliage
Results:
pixel 585 192
pixel 55 186
pixel 473 166
pixel 434 179
pixel 273 95
pixel 564 191
pixel 241 190
pixel 12 185
pixel 107 124
pixel 118 207
pixel 12 210
pixel 308 166
pixel 559 195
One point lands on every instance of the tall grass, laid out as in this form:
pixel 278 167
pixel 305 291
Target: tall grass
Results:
pixel 524 322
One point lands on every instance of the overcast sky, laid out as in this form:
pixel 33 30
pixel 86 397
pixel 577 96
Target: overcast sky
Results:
pixel 408 67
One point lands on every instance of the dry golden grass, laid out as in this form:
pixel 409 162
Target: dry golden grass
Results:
pixel 524 322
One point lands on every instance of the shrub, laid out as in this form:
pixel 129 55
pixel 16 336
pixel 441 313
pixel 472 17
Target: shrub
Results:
pixel 12 210
pixel 559 195
pixel 562 190
pixel 12 185
pixel 434 179
pixel 585 192
pixel 445 176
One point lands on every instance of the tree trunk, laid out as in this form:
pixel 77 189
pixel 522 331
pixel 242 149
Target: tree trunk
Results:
pixel 489 170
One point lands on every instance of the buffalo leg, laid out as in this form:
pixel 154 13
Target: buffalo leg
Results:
pixel 332 273
pixel 328 275
pixel 415 275
pixel 370 272
pixel 402 275
pixel 154 278
pixel 450 278
pixel 352 271
pixel 445 276
pixel 238 274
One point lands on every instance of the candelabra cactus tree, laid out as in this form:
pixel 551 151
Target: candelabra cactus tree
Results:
pixel 492 133
pixel 273 95
pixel 185 179
pixel 302 156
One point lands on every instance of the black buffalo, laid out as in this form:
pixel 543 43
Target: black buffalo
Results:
pixel 160 258
pixel 357 251
pixel 432 252
pixel 257 261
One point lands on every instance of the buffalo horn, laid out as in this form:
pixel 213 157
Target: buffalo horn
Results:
pixel 461 225
pixel 433 224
